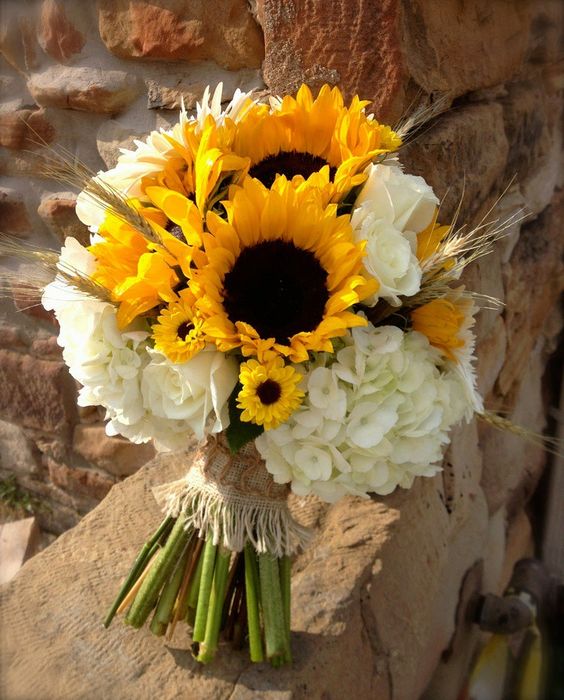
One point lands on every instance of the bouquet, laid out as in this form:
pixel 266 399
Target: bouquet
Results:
pixel 267 278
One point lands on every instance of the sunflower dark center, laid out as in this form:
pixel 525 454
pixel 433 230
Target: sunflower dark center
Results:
pixel 288 163
pixel 269 392
pixel 184 330
pixel 278 288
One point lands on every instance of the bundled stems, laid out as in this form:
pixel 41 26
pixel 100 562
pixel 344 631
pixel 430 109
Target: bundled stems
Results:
pixel 163 566
pixel 179 576
pixel 142 559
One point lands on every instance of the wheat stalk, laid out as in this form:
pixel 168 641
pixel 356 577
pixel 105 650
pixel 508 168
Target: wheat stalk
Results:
pixel 552 445
pixel 63 166
pixel 45 266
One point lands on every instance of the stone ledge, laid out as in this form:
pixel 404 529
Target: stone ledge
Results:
pixel 374 601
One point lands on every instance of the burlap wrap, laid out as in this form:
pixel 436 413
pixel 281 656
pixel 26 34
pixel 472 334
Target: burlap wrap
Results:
pixel 234 500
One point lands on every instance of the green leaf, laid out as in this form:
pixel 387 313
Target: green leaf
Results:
pixel 239 432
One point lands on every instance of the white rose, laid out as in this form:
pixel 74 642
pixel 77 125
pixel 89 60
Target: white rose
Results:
pixel 195 391
pixel 391 209
pixel 405 201
pixel 390 258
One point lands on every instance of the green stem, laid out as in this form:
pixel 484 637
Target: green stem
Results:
pixel 285 564
pixel 156 627
pixel 209 645
pixel 252 596
pixel 195 584
pixel 168 596
pixel 164 564
pixel 206 580
pixel 138 565
pixel 277 650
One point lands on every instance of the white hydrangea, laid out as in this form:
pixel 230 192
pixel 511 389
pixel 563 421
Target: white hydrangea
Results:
pixel 391 209
pixel 375 416
pixel 145 395
pixel 152 155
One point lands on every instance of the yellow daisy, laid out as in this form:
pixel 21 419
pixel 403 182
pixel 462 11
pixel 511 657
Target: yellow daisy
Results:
pixel 178 332
pixel 316 140
pixel 282 269
pixel 270 392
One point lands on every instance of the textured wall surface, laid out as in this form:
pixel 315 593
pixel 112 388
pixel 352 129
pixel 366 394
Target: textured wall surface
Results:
pixel 380 597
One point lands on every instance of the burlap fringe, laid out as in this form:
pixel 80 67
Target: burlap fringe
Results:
pixel 234 500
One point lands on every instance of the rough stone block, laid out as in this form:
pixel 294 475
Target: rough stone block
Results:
pixel 486 45
pixel 352 44
pixel 19 540
pixel 18 41
pixel 17 451
pixel 80 482
pixel 58 212
pixel 116 455
pixel 36 393
pixel 85 89
pixel 25 128
pixel 13 213
pixel 57 35
pixel 464 152
pixel 223 31
pixel 345 596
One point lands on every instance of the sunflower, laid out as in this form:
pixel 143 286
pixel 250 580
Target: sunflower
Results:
pixel 316 140
pixel 269 393
pixel 178 332
pixel 206 162
pixel 282 273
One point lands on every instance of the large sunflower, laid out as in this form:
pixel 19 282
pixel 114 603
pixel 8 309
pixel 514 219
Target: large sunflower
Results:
pixel 281 274
pixel 319 140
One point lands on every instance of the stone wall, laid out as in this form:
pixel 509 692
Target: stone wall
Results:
pixel 93 77
pixel 90 79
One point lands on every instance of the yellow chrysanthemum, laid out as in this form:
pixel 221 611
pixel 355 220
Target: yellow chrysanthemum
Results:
pixel 139 275
pixel 178 332
pixel 282 269
pixel 270 392
pixel 442 322
pixel 319 140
